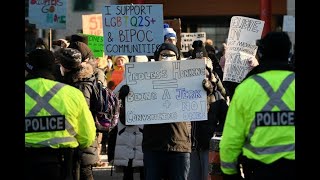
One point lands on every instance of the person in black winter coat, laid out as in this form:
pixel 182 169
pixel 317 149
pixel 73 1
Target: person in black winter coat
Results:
pixel 80 43
pixel 202 131
pixel 80 75
pixel 215 62
pixel 166 146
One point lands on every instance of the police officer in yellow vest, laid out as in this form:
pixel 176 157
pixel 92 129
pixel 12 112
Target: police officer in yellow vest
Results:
pixel 260 123
pixel 57 121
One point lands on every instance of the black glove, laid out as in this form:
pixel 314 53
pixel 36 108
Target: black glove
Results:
pixel 124 91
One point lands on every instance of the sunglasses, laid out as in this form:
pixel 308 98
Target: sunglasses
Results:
pixel 167 55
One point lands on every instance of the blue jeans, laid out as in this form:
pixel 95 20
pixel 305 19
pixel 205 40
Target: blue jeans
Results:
pixel 166 165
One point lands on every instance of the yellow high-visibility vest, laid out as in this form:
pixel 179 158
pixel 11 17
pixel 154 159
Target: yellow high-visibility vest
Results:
pixel 260 122
pixel 56 116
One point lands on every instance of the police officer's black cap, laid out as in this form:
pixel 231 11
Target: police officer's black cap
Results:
pixel 40 60
pixel 275 45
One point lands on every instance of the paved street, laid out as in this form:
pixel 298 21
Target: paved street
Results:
pixel 104 173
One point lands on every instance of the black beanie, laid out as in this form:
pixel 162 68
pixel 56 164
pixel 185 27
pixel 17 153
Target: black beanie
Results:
pixel 199 50
pixel 167 46
pixel 76 38
pixel 40 60
pixel 69 58
pixel 275 46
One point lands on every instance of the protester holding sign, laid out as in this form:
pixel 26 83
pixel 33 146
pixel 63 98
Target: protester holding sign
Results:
pixel 167 146
pixel 240 51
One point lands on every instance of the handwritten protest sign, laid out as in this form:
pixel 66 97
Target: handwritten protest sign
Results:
pixel 95 43
pixel 92 24
pixel 188 38
pixel 241 47
pixel 288 23
pixel 132 29
pixel 48 14
pixel 165 91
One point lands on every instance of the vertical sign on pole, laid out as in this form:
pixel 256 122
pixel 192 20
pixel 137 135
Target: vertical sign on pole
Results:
pixel 48 15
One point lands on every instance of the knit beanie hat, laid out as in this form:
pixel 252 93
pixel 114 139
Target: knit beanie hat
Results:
pixel 168 32
pixel 39 60
pixel 76 38
pixel 199 50
pixel 84 49
pixel 69 58
pixel 166 46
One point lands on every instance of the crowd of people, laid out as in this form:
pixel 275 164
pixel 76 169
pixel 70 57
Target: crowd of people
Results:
pixel 255 118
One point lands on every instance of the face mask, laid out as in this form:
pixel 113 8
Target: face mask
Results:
pixel 61 70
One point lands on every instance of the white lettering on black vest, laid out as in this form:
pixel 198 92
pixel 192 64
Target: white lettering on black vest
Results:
pixel 45 123
pixel 281 118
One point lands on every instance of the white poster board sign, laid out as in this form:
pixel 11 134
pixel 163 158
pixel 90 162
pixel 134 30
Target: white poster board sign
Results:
pixel 288 23
pixel 241 47
pixel 132 29
pixel 165 91
pixel 188 38
pixel 92 24
pixel 48 14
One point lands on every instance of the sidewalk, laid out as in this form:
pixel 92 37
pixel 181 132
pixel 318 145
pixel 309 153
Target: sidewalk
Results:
pixel 104 173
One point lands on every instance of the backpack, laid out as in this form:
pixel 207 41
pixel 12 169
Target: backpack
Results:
pixel 106 107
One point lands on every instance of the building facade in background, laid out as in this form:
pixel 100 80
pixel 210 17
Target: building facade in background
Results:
pixel 210 16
